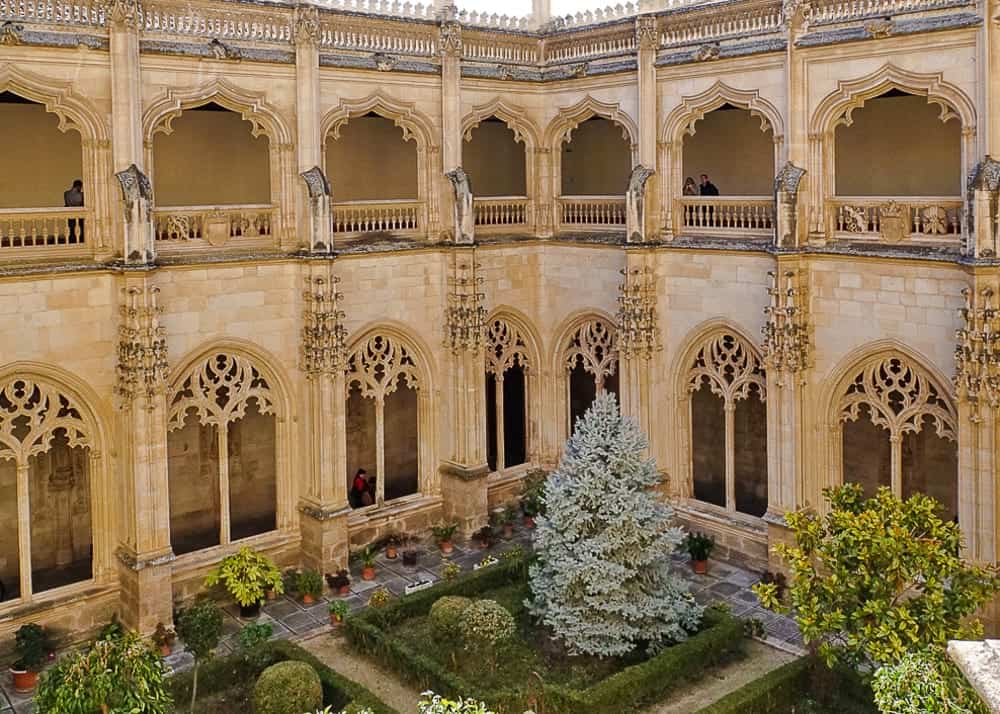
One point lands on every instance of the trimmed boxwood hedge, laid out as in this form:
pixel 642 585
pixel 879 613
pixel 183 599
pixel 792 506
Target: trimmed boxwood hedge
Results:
pixel 720 639
pixel 221 673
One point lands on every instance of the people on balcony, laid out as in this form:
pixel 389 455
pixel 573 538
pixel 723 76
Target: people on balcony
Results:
pixel 690 187
pixel 362 490
pixel 73 198
pixel 708 188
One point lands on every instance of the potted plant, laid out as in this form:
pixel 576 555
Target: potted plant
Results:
pixel 485 537
pixel 368 564
pixel 379 598
pixel 410 557
pixel 699 546
pixel 31 644
pixel 443 534
pixel 339 583
pixel 338 611
pixel 507 518
pixel 310 586
pixel 451 571
pixel 290 581
pixel 530 507
pixel 247 575
pixel 392 543
pixel 163 638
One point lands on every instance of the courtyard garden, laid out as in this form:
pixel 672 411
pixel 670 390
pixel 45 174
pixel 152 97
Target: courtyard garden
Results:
pixel 588 606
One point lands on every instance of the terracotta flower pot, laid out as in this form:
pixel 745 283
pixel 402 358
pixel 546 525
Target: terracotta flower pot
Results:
pixel 446 547
pixel 335 620
pixel 529 521
pixel 484 544
pixel 165 650
pixel 368 573
pixel 699 566
pixel 24 682
pixel 271 595
pixel 391 552
pixel 308 599
pixel 345 590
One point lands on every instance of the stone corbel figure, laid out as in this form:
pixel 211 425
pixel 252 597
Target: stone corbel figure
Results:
pixel 464 215
pixel 981 207
pixel 321 217
pixel 635 205
pixel 786 194
pixel 137 196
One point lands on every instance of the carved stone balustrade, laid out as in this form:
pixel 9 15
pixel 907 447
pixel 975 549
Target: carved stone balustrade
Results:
pixel 370 35
pixel 36 231
pixel 87 13
pixel 199 227
pixel 891 220
pixel 378 217
pixel 616 40
pixel 827 12
pixel 746 216
pixel 500 47
pixel 592 212
pixel 738 22
pixel 502 212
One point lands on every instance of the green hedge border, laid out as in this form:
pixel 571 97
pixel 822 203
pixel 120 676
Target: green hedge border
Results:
pixel 223 672
pixel 775 692
pixel 368 631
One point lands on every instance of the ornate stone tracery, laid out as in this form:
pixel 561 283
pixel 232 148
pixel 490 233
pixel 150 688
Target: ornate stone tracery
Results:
pixel 506 347
pixel 31 412
pixel 218 388
pixel 731 368
pixel 594 346
pixel 379 365
pixel 899 395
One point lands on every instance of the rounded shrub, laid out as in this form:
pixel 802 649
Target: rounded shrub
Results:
pixel 446 615
pixel 487 622
pixel 288 688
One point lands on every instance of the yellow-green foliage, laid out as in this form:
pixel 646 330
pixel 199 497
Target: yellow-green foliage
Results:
pixel 879 577
pixel 446 616
pixel 288 688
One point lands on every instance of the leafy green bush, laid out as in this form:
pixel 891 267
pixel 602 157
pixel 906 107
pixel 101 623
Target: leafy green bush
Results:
pixel 117 675
pixel 446 616
pixel 288 688
pixel 31 645
pixel 487 624
pixel 431 703
pixel 247 575
pixel 200 626
pixel 925 683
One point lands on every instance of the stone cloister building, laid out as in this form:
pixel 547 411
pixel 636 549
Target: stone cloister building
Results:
pixel 410 239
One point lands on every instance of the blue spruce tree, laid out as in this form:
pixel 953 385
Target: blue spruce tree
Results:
pixel 602 582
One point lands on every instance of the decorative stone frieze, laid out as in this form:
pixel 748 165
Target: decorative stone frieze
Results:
pixel 142 347
pixel 638 327
pixel 647 36
pixel 465 315
pixel 977 352
pixel 786 345
pixel 324 337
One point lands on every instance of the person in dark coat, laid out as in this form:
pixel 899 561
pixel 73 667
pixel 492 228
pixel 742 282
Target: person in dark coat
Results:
pixel 707 188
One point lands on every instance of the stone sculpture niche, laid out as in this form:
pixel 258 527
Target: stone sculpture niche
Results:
pixel 137 194
pixel 464 215
pixel 635 205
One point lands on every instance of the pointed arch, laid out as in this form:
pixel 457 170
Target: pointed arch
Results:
pixel 516 118
pixel 682 119
pixel 265 120
pixel 415 125
pixel 73 111
pixel 567 119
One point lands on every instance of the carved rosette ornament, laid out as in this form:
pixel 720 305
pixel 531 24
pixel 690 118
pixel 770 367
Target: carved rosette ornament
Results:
pixel 647 36
pixel 594 346
pixel 786 346
pixel 638 328
pixel 324 337
pixel 450 39
pixel 465 316
pixel 142 347
pixel 977 351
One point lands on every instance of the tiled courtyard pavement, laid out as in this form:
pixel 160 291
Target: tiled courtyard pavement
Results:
pixel 725 582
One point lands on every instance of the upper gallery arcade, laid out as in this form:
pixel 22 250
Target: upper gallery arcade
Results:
pixel 309 239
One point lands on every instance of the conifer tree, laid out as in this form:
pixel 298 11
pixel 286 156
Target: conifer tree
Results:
pixel 602 582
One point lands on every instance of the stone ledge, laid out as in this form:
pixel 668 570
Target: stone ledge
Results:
pixel 465 473
pixel 980 663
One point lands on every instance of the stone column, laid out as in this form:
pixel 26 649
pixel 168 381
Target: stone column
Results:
pixel 463 475
pixel 638 339
pixel 541 13
pixel 324 508
pixel 648 41
pixel 308 143
pixel 144 551
pixel 787 351
pixel 450 45
pixel 126 113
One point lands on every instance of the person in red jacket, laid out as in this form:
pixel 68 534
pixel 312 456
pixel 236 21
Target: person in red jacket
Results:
pixel 362 490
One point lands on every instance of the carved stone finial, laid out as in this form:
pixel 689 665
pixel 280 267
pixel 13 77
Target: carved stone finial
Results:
pixel 635 204
pixel 307 27
pixel 647 35
pixel 465 316
pixel 638 327
pixel 142 347
pixel 707 53
pixel 464 213
pixel 324 337
pixel 787 346
pixel 450 39
pixel 10 34
pixel 790 9
pixel 126 13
